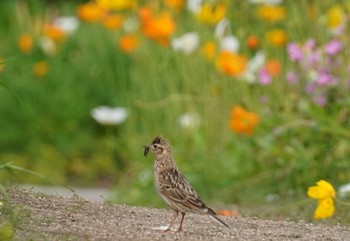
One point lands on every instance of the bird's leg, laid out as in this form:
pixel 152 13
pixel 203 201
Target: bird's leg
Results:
pixel 173 218
pixel 181 222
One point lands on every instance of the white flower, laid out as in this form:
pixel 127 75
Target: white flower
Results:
pixel 109 115
pixel 344 190
pixel 131 24
pixel 48 45
pixel 222 28
pixel 187 43
pixel 189 120
pixel 194 5
pixel 67 24
pixel 268 2
pixel 254 65
pixel 230 43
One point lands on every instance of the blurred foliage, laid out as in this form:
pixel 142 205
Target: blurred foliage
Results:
pixel 295 143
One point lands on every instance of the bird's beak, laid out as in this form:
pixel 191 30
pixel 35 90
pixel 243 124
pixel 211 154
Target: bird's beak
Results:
pixel 147 148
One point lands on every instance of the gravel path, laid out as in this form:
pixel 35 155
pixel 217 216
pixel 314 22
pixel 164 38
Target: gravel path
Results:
pixel 48 217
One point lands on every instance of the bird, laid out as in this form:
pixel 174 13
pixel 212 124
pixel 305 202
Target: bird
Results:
pixel 173 187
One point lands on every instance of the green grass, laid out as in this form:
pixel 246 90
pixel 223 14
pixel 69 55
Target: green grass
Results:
pixel 295 144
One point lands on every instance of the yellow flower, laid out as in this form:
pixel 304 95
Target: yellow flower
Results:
pixel 40 69
pixel 325 208
pixel 335 17
pixel 209 50
pixel 116 4
pixel 271 13
pixel 175 4
pixel 321 191
pixel 325 194
pixel 277 37
pixel 211 14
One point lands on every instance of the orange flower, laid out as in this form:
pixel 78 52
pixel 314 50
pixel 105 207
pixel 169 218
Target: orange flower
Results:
pixel 271 13
pixel 128 43
pixel 211 14
pixel 25 43
pixel 227 213
pixel 242 121
pixel 209 50
pixel 158 28
pixel 113 21
pixel 252 42
pixel 273 67
pixel 40 69
pixel 277 37
pixel 90 12
pixel 53 32
pixel 174 4
pixel 116 4
pixel 231 63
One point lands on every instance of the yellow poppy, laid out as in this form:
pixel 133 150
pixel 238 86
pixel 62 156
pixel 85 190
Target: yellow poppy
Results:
pixel 211 14
pixel 322 190
pixel 324 193
pixel 271 13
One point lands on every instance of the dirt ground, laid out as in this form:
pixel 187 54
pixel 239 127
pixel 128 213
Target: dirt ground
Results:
pixel 48 217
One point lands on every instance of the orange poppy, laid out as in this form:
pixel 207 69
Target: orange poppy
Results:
pixel 128 43
pixel 25 43
pixel 242 121
pixel 231 63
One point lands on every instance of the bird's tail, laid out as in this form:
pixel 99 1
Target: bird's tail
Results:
pixel 215 217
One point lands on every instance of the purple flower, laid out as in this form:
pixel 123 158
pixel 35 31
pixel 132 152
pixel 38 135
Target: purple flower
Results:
pixel 292 77
pixel 333 47
pixel 264 77
pixel 325 78
pixel 309 45
pixel 294 51
pixel 310 88
pixel 320 100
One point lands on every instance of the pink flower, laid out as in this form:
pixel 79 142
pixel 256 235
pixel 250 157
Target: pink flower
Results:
pixel 264 77
pixel 309 45
pixel 320 100
pixel 294 51
pixel 333 47
pixel 292 77
pixel 325 78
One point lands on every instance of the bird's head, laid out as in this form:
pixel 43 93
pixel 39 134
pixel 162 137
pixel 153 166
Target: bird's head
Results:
pixel 159 146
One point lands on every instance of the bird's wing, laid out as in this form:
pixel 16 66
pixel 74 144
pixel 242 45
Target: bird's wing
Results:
pixel 175 187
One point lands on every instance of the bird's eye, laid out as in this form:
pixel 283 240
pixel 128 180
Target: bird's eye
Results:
pixel 154 146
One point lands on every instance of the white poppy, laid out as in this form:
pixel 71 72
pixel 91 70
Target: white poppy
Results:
pixel 189 120
pixel 344 190
pixel 109 115
pixel 254 65
pixel 187 43
pixel 230 43
pixel 194 6
pixel 222 28
pixel 67 24
pixel 48 45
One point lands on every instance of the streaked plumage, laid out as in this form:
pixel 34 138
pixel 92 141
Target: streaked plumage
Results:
pixel 173 187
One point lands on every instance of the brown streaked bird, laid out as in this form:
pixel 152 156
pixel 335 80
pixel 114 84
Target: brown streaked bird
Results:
pixel 173 187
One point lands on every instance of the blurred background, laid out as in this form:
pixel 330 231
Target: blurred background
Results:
pixel 253 96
